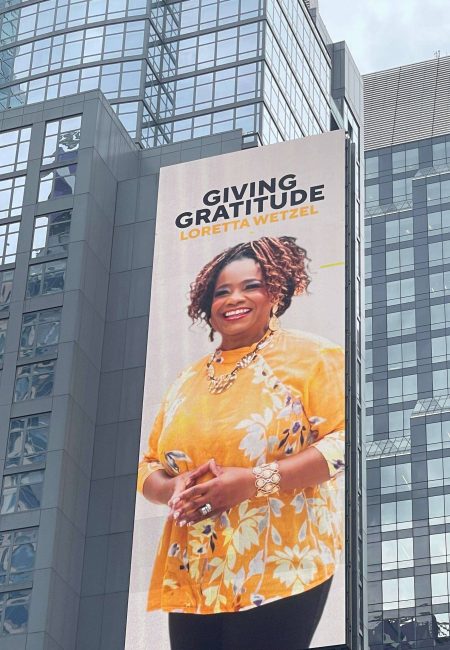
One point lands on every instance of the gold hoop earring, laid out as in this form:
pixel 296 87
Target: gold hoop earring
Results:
pixel 211 331
pixel 274 322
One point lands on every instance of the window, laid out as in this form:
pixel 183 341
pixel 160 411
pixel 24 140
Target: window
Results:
pixel 441 153
pixel 439 284
pixel 6 279
pixel 57 182
pixel 34 380
pixel 400 260
pixel 401 190
pixel 128 115
pixel 40 333
pixel 14 607
pixel 76 47
pixel 14 147
pixel 440 587
pixel 439 222
pixel 21 492
pixel 368 235
pixel 441 380
pixel 17 555
pixel 46 278
pixel 399 422
pixel 440 346
pixel 438 472
pixel 368 427
pixel 116 80
pixel 398 592
pixel 11 196
pixel 62 140
pixel 398 230
pixel 439 252
pixel 396 515
pixel 9 235
pixel 397 554
pixel 400 291
pixel 371 167
pixel 402 355
pixel 438 192
pixel 439 509
pixel 27 440
pixel 213 89
pixel 402 388
pixel 369 360
pixel 50 16
pixel 440 548
pixel 368 296
pixel 372 195
pixel 405 160
pixel 440 316
pixel 401 322
pixel 398 631
pixel 442 628
pixel 3 328
pixel 438 435
pixel 395 478
pixel 51 233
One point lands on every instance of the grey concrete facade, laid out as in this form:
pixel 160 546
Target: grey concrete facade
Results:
pixel 86 509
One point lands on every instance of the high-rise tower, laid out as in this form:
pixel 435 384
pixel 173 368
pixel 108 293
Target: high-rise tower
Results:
pixel 407 218
pixel 175 70
pixel 78 197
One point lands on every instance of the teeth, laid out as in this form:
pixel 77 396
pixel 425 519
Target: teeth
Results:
pixel 236 312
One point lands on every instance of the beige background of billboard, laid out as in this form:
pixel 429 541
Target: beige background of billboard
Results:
pixel 174 343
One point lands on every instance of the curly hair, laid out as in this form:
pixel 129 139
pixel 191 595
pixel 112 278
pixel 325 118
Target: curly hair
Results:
pixel 283 264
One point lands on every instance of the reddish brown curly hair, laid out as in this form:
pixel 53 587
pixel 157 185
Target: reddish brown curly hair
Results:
pixel 283 264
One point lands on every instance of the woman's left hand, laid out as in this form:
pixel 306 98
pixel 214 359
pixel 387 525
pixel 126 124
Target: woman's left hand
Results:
pixel 230 486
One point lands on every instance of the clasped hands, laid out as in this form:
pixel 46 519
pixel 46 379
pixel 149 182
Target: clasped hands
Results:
pixel 228 487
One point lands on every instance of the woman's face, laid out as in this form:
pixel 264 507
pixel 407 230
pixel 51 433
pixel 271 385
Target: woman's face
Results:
pixel 241 306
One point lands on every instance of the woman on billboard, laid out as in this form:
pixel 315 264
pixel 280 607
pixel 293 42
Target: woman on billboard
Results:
pixel 246 450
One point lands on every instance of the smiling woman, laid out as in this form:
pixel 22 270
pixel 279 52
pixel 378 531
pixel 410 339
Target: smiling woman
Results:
pixel 246 450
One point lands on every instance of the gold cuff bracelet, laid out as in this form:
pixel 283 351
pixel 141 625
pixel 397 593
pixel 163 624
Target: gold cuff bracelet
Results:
pixel 267 479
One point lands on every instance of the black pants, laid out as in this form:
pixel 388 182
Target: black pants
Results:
pixel 286 624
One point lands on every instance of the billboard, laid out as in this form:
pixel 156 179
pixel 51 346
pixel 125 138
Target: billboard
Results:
pixel 241 497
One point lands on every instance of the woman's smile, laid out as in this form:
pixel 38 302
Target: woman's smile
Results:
pixel 235 314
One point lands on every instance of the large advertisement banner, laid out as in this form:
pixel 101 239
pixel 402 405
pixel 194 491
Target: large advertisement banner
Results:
pixel 239 522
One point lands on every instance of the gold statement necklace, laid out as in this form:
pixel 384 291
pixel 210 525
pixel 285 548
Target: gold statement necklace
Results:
pixel 221 383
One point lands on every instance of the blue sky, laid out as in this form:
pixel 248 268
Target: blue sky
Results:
pixel 387 33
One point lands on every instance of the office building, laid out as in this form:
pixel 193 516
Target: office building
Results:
pixel 179 70
pixel 407 221
pixel 96 97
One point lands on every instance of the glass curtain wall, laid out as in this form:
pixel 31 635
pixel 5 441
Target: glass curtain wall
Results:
pixel 259 65
pixel 173 70
pixel 56 48
pixel 408 393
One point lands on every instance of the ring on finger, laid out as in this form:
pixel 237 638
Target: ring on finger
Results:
pixel 205 509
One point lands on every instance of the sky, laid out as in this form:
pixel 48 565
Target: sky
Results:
pixel 387 33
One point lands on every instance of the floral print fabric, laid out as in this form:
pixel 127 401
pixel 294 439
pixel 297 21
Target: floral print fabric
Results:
pixel 290 397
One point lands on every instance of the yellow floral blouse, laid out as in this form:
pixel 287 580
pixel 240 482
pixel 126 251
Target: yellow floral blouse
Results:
pixel 290 397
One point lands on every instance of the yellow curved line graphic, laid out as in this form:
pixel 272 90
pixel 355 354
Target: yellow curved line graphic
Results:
pixel 327 266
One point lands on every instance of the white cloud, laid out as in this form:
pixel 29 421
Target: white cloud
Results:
pixel 385 33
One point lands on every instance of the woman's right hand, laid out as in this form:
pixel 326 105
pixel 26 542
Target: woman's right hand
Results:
pixel 186 480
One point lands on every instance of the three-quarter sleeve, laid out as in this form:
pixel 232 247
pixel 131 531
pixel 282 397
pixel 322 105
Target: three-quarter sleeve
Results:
pixel 150 462
pixel 326 408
